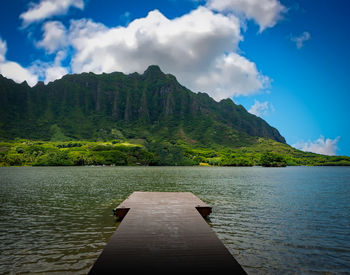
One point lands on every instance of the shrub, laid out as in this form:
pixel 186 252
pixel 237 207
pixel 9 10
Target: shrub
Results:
pixel 269 159
pixel 58 158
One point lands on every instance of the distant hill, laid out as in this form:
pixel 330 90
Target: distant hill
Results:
pixel 152 106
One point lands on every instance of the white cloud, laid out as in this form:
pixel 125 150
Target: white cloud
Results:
pixel 320 146
pixel 17 73
pixel 200 48
pixel 3 50
pixel 261 108
pixel 54 37
pixel 47 8
pixel 50 71
pixel 14 70
pixel 232 75
pixel 265 12
pixel 56 71
pixel 300 40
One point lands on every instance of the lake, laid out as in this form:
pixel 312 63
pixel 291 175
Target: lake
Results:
pixel 273 220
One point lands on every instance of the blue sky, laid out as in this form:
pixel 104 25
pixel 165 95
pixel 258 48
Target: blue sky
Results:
pixel 286 61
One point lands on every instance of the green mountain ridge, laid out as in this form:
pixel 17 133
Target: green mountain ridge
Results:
pixel 147 119
pixel 90 106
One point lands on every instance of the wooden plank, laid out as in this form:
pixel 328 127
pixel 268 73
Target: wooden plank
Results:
pixel 164 232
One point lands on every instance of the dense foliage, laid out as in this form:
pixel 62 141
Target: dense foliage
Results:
pixel 265 152
pixel 152 106
pixel 269 159
pixel 148 119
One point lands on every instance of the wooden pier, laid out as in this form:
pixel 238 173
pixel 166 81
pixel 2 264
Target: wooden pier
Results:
pixel 164 233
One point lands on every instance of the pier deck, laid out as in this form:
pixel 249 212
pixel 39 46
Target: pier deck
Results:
pixel 162 233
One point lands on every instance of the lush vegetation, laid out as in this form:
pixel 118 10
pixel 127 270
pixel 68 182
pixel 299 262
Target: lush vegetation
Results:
pixel 152 106
pixel 138 152
pixel 269 159
pixel 148 119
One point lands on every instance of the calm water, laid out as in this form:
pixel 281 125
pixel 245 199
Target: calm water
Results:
pixel 273 220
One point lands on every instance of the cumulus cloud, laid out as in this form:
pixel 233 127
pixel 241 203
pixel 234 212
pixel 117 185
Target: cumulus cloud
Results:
pixel 17 73
pixel 232 75
pixel 14 70
pixel 200 48
pixel 50 71
pixel 320 146
pixel 300 40
pixel 261 108
pixel 3 50
pixel 54 36
pixel 56 70
pixel 185 41
pixel 47 8
pixel 264 12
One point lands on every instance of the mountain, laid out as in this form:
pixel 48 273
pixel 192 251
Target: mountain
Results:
pixel 152 106
pixel 148 119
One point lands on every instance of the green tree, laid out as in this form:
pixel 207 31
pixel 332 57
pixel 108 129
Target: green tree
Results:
pixel 269 159
pixel 57 134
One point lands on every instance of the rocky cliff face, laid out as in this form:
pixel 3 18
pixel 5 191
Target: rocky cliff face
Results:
pixel 152 106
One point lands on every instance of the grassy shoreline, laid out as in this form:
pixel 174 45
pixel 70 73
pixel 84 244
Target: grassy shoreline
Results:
pixel 265 152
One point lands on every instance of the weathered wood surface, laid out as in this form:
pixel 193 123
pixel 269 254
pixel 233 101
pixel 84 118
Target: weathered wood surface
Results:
pixel 164 233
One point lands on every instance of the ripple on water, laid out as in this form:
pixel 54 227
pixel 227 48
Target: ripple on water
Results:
pixel 294 220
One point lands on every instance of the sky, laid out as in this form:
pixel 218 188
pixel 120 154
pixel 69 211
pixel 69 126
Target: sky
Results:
pixel 286 61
